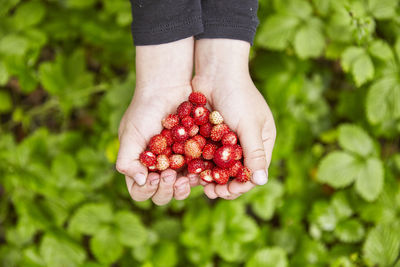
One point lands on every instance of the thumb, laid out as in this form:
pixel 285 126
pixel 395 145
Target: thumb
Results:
pixel 253 151
pixel 128 158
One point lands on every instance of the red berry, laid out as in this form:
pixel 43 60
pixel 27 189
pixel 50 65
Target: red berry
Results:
pixel 167 134
pixel 205 129
pixel 243 175
pixel 157 144
pixel 209 150
pixel 229 138
pixel 170 121
pixel 223 157
pixel 187 122
pixel 200 115
pixel 193 130
pixel 184 109
pixel 238 152
pixel 162 162
pixel 196 166
pixel 179 133
pixel 167 151
pixel 198 98
pixel 233 171
pixel 188 159
pixel 218 131
pixel 176 161
pixel 201 140
pixel 209 165
pixel 178 148
pixel 147 158
pixel 219 175
pixel 192 149
pixel 206 176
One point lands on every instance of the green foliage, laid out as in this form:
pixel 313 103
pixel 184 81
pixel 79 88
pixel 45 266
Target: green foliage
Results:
pixel 330 71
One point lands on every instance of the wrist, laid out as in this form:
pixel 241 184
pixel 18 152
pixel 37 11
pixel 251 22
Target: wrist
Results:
pixel 165 65
pixel 217 59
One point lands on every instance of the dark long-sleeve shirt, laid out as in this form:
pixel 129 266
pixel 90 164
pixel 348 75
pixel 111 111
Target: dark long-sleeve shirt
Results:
pixel 163 21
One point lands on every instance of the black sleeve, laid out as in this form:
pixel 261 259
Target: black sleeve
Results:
pixel 232 19
pixel 163 21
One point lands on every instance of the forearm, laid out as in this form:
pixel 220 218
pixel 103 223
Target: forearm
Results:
pixel 165 65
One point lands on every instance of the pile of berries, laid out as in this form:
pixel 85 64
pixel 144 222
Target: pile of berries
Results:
pixel 200 139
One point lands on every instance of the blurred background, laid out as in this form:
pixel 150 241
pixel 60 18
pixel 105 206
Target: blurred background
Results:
pixel 330 71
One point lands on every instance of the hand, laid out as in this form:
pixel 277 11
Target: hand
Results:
pixel 163 74
pixel 222 75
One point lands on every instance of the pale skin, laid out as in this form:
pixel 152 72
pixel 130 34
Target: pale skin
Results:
pixel 164 79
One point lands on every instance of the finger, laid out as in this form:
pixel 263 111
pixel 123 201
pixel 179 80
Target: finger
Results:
pixel 269 136
pixel 203 183
pixel 128 158
pixel 236 187
pixel 193 179
pixel 181 188
pixel 209 190
pixel 253 151
pixel 222 190
pixel 142 193
pixel 165 190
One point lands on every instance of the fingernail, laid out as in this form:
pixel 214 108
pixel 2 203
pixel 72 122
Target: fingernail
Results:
pixel 193 179
pixel 260 177
pixel 181 186
pixel 130 183
pixel 155 181
pixel 140 179
pixel 169 179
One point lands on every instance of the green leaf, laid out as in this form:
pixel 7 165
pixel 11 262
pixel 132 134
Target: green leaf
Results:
pixel 397 48
pixel 380 49
pixel 13 45
pixel 89 218
pixel 309 42
pixel 80 4
pixel 363 69
pixel 264 200
pixel 350 231
pixel 268 257
pixel 58 251
pixel 369 184
pixel 130 229
pixel 323 214
pixel 4 75
pixel 341 205
pixel 29 14
pixel 5 102
pixel 349 56
pixel 277 31
pixel 383 9
pixel 354 139
pixel 338 169
pixel 105 246
pixel 382 245
pixel 165 254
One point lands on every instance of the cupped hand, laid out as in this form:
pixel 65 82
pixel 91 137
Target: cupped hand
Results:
pixel 224 78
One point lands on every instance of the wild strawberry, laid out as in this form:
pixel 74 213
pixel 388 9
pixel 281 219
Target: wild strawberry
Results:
pixel 187 122
pixel 157 144
pixel 223 157
pixel 193 130
pixel 170 121
pixel 147 158
pixel 188 159
pixel 233 171
pixel 208 165
pixel 220 176
pixel 192 148
pixel 162 162
pixel 216 118
pixel 179 133
pixel 200 115
pixel 218 131
pixel 201 140
pixel 237 155
pixel 206 176
pixel 152 168
pixel 167 151
pixel 176 161
pixel 209 150
pixel 167 134
pixel 243 175
pixel 178 148
pixel 229 138
pixel 198 98
pixel 184 109
pixel 196 166
pixel 205 129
